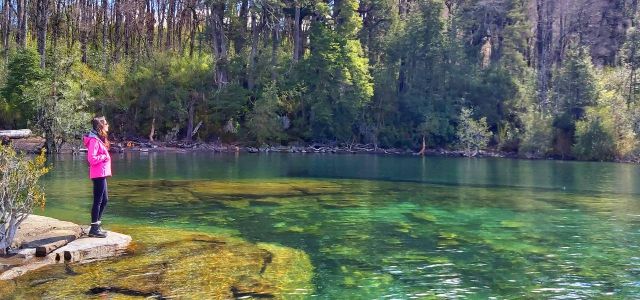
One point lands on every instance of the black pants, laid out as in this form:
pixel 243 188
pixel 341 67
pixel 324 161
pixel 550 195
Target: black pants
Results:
pixel 100 198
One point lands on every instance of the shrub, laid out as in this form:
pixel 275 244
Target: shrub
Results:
pixel 472 135
pixel 537 136
pixel 19 191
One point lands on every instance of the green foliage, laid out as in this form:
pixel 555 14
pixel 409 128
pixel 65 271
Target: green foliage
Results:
pixel 473 135
pixel 264 122
pixel 159 93
pixel 607 131
pixel 490 91
pixel 23 71
pixel 337 76
pixel 229 103
pixel 594 138
pixel 21 192
pixel 427 82
pixel 537 134
pixel 435 128
pixel 62 103
pixel 371 71
pixel 631 60
pixel 575 85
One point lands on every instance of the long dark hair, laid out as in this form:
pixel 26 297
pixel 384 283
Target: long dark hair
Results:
pixel 99 124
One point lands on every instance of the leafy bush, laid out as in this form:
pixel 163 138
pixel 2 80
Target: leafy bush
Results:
pixel 19 191
pixel 594 139
pixel 264 123
pixel 607 130
pixel 472 135
pixel 537 136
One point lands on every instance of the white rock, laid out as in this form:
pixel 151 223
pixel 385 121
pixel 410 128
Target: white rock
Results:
pixel 90 249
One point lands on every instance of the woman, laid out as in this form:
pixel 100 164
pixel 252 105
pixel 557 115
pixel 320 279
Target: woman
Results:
pixel 99 159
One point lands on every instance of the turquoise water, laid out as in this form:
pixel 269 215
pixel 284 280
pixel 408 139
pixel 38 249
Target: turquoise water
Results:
pixel 391 227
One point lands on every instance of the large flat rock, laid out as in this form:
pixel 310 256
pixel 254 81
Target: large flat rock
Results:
pixel 90 249
pixel 38 231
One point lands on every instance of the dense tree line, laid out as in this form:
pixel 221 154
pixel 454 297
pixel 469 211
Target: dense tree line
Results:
pixel 539 77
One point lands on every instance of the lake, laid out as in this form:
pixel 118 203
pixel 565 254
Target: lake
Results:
pixel 377 227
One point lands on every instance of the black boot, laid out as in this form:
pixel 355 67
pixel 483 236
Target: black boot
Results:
pixel 100 230
pixel 95 231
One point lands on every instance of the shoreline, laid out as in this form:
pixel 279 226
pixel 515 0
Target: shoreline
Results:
pixel 34 144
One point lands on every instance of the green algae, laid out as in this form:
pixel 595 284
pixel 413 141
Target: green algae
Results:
pixel 369 239
pixel 179 265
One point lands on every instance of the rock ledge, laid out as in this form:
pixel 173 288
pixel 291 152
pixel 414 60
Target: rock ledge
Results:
pixel 55 242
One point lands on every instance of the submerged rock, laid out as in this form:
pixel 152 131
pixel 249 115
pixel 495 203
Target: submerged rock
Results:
pixel 165 263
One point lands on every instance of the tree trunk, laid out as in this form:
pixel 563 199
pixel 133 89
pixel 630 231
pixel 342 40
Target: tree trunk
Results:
pixel 55 26
pixel 83 29
pixel 150 23
pixel 21 34
pixel 219 43
pixel 152 132
pixel 9 235
pixel 274 50
pixel 161 7
pixel 42 17
pixel 6 23
pixel 117 36
pixel 424 146
pixel 126 28
pixel 543 45
pixel 296 33
pixel 172 8
pixel 15 134
pixel 251 75
pixel 105 19
pixel 192 32
pixel 191 109
pixel 180 25
pixel 241 30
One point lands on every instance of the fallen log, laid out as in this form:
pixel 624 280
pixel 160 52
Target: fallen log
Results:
pixel 42 251
pixel 15 134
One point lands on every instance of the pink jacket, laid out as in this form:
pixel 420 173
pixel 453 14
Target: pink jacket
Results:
pixel 98 156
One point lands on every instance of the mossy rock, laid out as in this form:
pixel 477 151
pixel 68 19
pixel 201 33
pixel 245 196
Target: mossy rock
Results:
pixel 178 264
pixel 424 216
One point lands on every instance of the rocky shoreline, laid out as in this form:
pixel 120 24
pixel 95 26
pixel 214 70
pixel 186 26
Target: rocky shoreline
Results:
pixel 165 263
pixel 34 144
pixel 43 241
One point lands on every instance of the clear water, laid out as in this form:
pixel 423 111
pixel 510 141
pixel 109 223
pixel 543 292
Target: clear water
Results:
pixel 382 227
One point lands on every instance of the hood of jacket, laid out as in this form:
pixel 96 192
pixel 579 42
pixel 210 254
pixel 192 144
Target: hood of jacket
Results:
pixel 91 135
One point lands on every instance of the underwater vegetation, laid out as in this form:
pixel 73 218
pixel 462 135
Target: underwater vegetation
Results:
pixel 334 238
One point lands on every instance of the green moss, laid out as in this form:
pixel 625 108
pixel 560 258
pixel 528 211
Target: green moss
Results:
pixel 181 264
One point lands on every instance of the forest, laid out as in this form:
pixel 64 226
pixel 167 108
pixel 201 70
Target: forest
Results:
pixel 540 78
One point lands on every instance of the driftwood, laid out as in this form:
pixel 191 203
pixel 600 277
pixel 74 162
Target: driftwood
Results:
pixel 42 251
pixel 424 147
pixel 15 134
